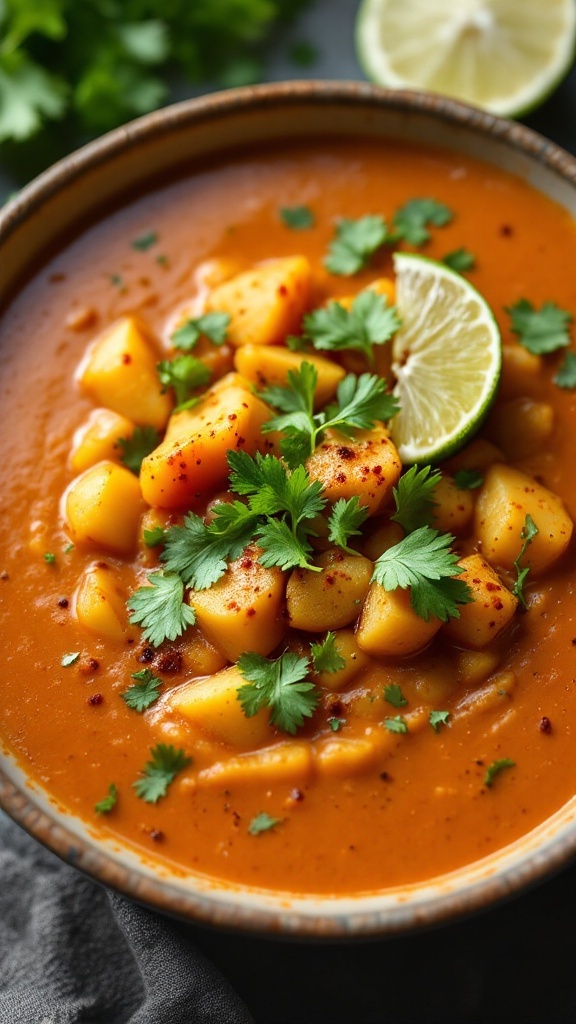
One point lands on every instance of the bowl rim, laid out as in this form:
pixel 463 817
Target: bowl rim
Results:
pixel 40 817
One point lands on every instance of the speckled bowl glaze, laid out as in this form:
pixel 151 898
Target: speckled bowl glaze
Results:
pixel 78 189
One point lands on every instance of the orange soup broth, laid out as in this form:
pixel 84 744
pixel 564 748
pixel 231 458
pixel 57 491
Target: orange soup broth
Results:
pixel 424 809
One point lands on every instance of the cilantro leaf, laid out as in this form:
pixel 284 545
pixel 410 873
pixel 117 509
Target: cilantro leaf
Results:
pixel 152 538
pixel 346 516
pixel 424 562
pixel 460 260
pixel 160 608
pixel 145 241
pixel 144 692
pixel 211 325
pixel 262 823
pixel 527 534
pixel 468 479
pixel 540 331
pixel 281 685
pixel 284 548
pixel 298 218
pixel 108 803
pixel 495 768
pixel 355 242
pixel 165 764
pixel 336 723
pixel 361 401
pixel 566 376
pixel 49 557
pixel 184 374
pixel 397 724
pixel 412 219
pixel 393 695
pixel 199 553
pixel 438 718
pixel 135 448
pixel 414 497
pixel 370 321
pixel 325 655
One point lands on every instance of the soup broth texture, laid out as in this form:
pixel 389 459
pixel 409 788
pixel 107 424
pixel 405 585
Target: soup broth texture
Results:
pixel 202 653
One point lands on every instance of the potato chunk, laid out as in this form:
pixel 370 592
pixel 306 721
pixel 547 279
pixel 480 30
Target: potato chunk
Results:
pixel 389 626
pixel 329 599
pixel 269 366
pixel 100 605
pixel 454 507
pixel 97 439
pixel 265 303
pixel 120 373
pixel 491 609
pixel 212 705
pixel 505 499
pixel 521 426
pixel 103 508
pixel 243 611
pixel 355 659
pixel 283 763
pixel 191 461
pixel 367 465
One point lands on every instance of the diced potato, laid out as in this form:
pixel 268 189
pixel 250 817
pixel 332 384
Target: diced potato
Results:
pixel 200 657
pixel 367 465
pixel 338 756
pixel 120 373
pixel 97 439
pixel 505 499
pixel 386 535
pixel 285 762
pixel 265 304
pixel 521 426
pixel 103 507
pixel 389 626
pixel 475 667
pixel 521 370
pixel 479 454
pixel 454 507
pixel 191 462
pixel 332 598
pixel 212 705
pixel 243 610
pixel 491 609
pixel 100 605
pixel 269 366
pixel 355 658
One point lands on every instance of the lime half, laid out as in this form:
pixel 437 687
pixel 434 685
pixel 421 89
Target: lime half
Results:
pixel 447 358
pixel 503 55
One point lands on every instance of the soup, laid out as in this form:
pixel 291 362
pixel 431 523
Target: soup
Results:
pixel 390 764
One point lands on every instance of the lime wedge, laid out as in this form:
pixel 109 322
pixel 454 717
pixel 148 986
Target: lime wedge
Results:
pixel 446 359
pixel 503 55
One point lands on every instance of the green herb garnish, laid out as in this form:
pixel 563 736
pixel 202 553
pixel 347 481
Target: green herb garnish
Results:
pixel 160 608
pixel 495 768
pixel 165 764
pixel 540 331
pixel 135 448
pixel 262 823
pixel 356 241
pixel 325 655
pixel 527 534
pixel 108 803
pixel 393 695
pixel 282 685
pixel 143 692
pixel 298 218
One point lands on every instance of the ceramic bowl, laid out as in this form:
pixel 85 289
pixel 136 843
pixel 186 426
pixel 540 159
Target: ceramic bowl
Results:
pixel 72 192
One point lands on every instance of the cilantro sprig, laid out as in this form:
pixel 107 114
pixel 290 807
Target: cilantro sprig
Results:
pixel 298 218
pixel 135 448
pixel 412 220
pixel 370 321
pixel 540 331
pixel 165 764
pixel 393 695
pixel 160 608
pixel 143 692
pixel 527 534
pixel 211 325
pixel 356 241
pixel 346 516
pixel 414 497
pixel 325 655
pixel 184 374
pixel 282 685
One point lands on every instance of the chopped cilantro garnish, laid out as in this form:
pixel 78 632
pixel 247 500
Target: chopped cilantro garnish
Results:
pixel 325 656
pixel 370 321
pixel 184 374
pixel 282 685
pixel 397 724
pixel 49 557
pixel 346 516
pixel 108 803
pixel 69 659
pixel 336 723
pixel 393 695
pixel 411 220
pixel 414 497
pixel 144 692
pixel 468 479
pixel 135 448
pixel 152 538
pixel 424 562
pixel 262 823
pixel 495 768
pixel 297 217
pixel 160 608
pixel 540 331
pixel 460 260
pixel 566 376
pixel 438 718
pixel 199 553
pixel 145 241
pixel 355 242
pixel 528 532
pixel 160 771
pixel 211 325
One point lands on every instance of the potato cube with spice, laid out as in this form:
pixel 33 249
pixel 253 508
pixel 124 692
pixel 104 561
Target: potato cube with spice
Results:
pixel 329 599
pixel 491 609
pixel 269 366
pixel 98 437
pixel 103 507
pixel 389 626
pixel 100 605
pixel 212 705
pixel 367 465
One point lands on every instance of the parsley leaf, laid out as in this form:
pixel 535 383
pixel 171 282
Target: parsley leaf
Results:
pixel 540 331
pixel 527 534
pixel 108 803
pixel 262 823
pixel 281 685
pixel 144 692
pixel 199 553
pixel 159 772
pixel 355 242
pixel 135 448
pixel 566 376
pixel 495 768
pixel 325 656
pixel 438 718
pixel 397 724
pixel 211 325
pixel 393 695
pixel 297 217
pixel 414 497
pixel 412 219
pixel 145 241
pixel 468 479
pixel 184 374
pixel 370 321
pixel 424 562
pixel 160 608
pixel 346 516
pixel 460 260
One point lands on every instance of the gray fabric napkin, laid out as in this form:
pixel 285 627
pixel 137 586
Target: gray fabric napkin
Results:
pixel 73 953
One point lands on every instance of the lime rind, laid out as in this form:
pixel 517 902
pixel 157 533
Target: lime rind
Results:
pixel 447 358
